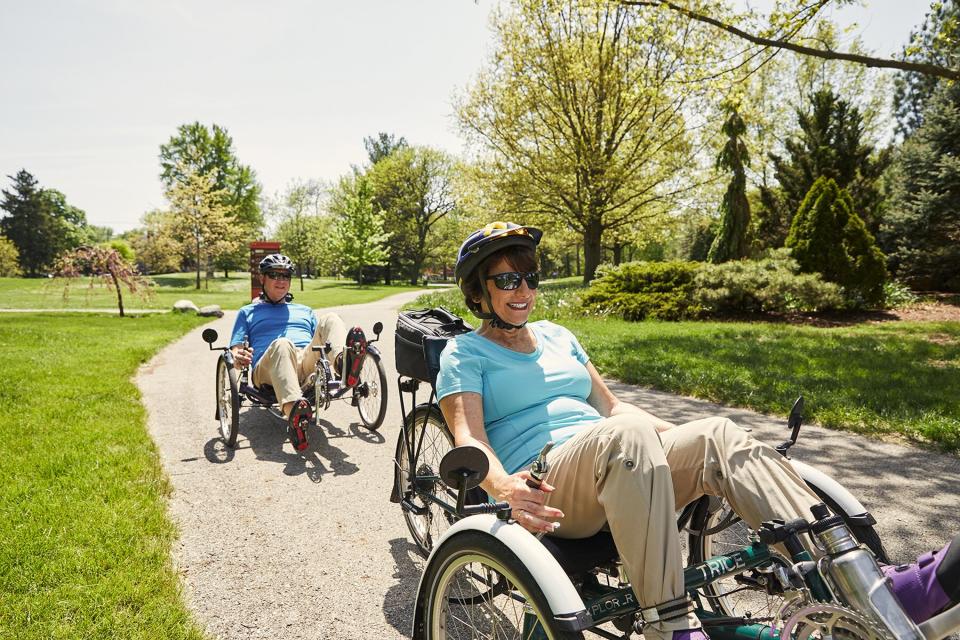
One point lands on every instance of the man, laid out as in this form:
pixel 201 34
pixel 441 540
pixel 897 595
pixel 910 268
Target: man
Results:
pixel 279 336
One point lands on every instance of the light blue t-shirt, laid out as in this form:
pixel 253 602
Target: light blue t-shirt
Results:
pixel 263 323
pixel 528 398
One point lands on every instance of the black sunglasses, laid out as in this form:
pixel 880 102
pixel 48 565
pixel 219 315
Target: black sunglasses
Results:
pixel 278 275
pixel 510 280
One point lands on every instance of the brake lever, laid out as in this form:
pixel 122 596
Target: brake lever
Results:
pixel 538 471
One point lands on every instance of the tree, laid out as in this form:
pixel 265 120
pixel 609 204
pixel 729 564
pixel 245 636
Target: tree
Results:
pixel 382 146
pixel 157 248
pixel 197 149
pixel 9 258
pixel 731 240
pixel 358 237
pixel 581 111
pixel 937 42
pixel 829 238
pixel 296 211
pixel 786 23
pixel 104 264
pixel 199 215
pixel 922 228
pixel 829 144
pixel 414 189
pixel 26 224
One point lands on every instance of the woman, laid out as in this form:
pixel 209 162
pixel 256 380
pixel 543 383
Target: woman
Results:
pixel 510 387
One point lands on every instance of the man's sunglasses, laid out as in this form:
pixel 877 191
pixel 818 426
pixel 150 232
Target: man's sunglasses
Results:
pixel 510 280
pixel 278 275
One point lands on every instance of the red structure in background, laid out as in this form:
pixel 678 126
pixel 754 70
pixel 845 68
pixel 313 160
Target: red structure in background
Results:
pixel 258 251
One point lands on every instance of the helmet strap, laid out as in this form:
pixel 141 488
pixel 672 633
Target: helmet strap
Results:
pixel 265 298
pixel 495 321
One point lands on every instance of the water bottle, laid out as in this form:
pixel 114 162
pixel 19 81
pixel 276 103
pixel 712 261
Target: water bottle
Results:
pixel 857 577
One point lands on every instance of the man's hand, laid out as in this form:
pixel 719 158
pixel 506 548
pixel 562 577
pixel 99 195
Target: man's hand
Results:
pixel 242 356
pixel 528 504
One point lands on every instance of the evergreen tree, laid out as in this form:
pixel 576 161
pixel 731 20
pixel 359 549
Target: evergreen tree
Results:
pixel 829 144
pixel 29 224
pixel 937 42
pixel 731 240
pixel 382 145
pixel 829 238
pixel 922 230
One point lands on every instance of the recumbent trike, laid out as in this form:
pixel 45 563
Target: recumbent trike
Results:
pixel 488 577
pixel 233 388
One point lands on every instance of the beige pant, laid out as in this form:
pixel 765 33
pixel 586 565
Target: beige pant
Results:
pixel 285 367
pixel 620 473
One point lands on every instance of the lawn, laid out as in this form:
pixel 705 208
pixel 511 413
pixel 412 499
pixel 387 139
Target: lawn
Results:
pixel 84 535
pixel 229 293
pixel 873 378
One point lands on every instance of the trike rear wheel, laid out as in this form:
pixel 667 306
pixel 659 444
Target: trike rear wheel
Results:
pixel 420 447
pixel 228 402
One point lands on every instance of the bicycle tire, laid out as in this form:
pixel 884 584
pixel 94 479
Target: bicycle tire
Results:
pixel 420 475
pixel 752 600
pixel 371 392
pixel 474 583
pixel 228 402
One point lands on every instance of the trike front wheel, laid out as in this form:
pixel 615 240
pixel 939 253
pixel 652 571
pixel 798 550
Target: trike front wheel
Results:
pixel 228 402
pixel 371 392
pixel 476 587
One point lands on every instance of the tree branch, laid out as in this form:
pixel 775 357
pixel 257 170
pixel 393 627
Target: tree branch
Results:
pixel 868 61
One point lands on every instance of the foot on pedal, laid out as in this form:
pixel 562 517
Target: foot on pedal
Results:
pixel 354 354
pixel 300 417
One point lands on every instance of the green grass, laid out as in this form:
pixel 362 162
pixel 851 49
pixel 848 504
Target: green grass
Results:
pixel 229 293
pixel 879 379
pixel 84 535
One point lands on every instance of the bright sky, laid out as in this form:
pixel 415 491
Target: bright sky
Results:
pixel 92 88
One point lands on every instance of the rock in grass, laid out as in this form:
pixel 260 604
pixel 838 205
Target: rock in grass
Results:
pixel 184 306
pixel 211 310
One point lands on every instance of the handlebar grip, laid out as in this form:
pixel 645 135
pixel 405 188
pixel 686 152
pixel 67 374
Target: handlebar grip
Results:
pixel 488 507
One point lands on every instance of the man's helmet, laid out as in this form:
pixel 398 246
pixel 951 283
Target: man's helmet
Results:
pixel 493 237
pixel 276 262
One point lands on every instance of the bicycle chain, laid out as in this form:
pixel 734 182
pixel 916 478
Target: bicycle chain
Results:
pixel 321 396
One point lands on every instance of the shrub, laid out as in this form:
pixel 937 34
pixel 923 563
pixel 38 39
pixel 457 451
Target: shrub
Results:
pixel 640 290
pixel 896 295
pixel 829 238
pixel 766 285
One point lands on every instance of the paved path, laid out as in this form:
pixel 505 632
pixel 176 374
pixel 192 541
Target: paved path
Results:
pixel 279 545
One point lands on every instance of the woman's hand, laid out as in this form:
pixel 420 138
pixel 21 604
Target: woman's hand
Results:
pixel 528 504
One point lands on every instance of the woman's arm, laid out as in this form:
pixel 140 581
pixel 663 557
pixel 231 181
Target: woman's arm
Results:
pixel 464 415
pixel 607 404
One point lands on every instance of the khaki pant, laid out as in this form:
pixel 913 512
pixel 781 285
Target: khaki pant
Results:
pixel 285 367
pixel 621 474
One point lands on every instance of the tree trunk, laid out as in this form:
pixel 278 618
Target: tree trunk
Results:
pixel 592 250
pixel 116 284
pixel 578 259
pixel 198 264
pixel 617 252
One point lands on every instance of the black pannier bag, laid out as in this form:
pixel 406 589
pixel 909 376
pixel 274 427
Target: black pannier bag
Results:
pixel 416 325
